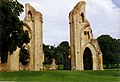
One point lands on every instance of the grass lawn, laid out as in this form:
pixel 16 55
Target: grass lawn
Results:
pixel 112 75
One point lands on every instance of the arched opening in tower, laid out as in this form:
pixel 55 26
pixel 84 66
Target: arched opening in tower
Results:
pixel 87 59
pixel 30 14
pixel 82 15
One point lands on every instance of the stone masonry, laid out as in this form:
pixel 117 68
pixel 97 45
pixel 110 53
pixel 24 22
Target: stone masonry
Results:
pixel 85 51
pixel 33 24
pixel 33 21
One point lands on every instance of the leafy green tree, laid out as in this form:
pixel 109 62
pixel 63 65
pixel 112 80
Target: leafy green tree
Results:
pixel 24 56
pixel 66 59
pixel 47 55
pixel 110 49
pixel 57 53
pixel 12 34
pixel 60 52
pixel 65 44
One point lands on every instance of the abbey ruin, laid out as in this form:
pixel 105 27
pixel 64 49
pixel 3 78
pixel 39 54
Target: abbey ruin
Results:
pixel 33 24
pixel 85 52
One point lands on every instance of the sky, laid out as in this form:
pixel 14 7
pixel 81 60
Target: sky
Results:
pixel 103 15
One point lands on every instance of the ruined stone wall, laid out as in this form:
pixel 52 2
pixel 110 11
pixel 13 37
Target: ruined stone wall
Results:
pixel 99 59
pixel 81 37
pixel 33 24
pixel 4 67
pixel 13 60
pixel 34 20
pixel 75 39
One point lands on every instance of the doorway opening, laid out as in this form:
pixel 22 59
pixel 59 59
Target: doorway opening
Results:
pixel 87 59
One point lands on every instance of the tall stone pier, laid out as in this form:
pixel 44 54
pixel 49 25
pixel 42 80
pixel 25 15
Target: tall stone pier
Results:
pixel 33 20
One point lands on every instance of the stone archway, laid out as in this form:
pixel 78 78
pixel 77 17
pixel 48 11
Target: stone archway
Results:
pixel 87 59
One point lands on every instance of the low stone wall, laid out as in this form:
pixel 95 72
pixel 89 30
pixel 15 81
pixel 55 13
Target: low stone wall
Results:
pixel 24 67
pixel 4 67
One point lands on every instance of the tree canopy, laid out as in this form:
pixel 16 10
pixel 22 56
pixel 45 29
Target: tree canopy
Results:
pixel 110 48
pixel 12 34
pixel 57 53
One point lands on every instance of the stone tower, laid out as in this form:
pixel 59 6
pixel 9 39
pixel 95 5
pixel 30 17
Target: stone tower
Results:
pixel 33 21
pixel 85 51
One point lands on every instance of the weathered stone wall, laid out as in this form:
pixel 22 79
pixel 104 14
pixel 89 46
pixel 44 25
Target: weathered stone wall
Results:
pixel 81 37
pixel 13 60
pixel 4 67
pixel 24 67
pixel 33 24
pixel 34 20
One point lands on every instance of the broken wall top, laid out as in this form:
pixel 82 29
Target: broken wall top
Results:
pixel 77 8
pixel 31 13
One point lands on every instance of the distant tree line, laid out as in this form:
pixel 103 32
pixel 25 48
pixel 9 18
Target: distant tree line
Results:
pixel 57 53
pixel 110 48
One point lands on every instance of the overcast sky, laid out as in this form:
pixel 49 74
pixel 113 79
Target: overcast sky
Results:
pixel 103 15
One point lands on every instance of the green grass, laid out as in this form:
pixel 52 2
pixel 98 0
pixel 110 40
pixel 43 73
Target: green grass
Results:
pixel 63 76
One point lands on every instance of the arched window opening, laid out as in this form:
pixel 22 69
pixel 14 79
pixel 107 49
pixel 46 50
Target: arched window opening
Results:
pixel 85 33
pixel 82 15
pixel 30 14
pixel 88 35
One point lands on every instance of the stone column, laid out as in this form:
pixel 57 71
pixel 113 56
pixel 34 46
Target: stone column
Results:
pixel 13 60
pixel 38 42
pixel 100 62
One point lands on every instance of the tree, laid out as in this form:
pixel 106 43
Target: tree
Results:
pixel 57 53
pixel 47 53
pixel 12 34
pixel 65 44
pixel 66 55
pixel 24 56
pixel 60 51
pixel 110 49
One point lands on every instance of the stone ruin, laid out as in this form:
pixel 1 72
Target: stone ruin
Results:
pixel 53 65
pixel 85 53
pixel 33 24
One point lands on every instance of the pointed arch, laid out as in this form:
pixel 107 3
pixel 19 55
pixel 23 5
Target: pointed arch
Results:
pixel 87 59
pixel 92 50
